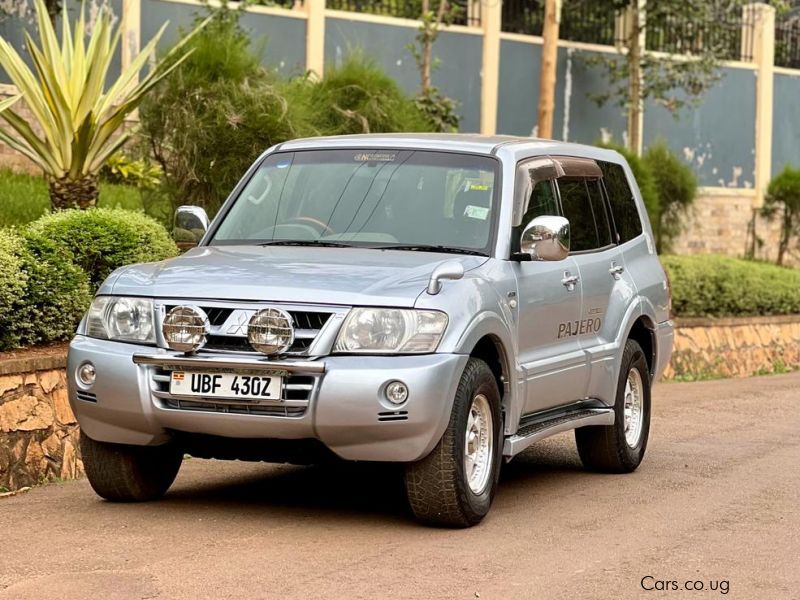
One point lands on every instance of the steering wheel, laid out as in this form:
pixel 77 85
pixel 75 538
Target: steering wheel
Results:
pixel 321 227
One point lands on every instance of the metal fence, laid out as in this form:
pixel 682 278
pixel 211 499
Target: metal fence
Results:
pixel 588 22
pixel 463 12
pixel 730 37
pixel 787 41
pixel 727 33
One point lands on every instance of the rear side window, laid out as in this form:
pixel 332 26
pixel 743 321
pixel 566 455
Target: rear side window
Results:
pixel 583 207
pixel 623 204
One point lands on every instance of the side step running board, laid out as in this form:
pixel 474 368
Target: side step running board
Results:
pixel 538 430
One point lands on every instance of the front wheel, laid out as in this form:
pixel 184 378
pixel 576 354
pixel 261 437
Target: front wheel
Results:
pixel 123 473
pixel 454 485
pixel 619 448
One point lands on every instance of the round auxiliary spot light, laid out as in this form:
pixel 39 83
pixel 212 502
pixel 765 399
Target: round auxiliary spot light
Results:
pixel 185 328
pixel 270 331
pixel 397 392
pixel 87 374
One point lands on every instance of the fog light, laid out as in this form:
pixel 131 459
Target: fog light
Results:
pixel 87 374
pixel 396 392
pixel 185 328
pixel 270 331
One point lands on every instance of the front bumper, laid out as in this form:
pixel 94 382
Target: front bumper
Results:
pixel 337 400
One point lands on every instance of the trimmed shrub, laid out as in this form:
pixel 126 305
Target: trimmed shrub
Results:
pixel 718 286
pixel 101 240
pixel 676 186
pixel 12 286
pixel 57 292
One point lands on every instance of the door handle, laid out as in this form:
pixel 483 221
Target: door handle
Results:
pixel 569 281
pixel 616 270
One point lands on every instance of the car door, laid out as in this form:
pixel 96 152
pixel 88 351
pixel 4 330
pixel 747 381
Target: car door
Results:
pixel 601 270
pixel 549 303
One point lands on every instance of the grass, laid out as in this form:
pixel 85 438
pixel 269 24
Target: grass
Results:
pixel 24 197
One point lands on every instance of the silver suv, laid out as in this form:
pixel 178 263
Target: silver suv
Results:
pixel 441 301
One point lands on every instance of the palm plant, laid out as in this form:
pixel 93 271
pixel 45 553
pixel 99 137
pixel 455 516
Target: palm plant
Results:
pixel 77 117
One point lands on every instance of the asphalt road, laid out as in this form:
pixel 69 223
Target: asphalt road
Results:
pixel 716 501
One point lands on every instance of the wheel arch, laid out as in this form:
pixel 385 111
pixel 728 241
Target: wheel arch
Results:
pixel 488 338
pixel 642 331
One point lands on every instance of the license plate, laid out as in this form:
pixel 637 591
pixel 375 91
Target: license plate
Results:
pixel 226 385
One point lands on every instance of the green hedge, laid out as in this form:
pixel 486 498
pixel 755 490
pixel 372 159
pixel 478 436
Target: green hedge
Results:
pixel 717 286
pixel 49 270
pixel 57 292
pixel 103 239
pixel 12 285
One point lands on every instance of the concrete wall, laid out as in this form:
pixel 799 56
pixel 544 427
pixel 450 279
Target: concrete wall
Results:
pixel 13 28
pixel 459 56
pixel 786 122
pixel 717 136
pixel 281 39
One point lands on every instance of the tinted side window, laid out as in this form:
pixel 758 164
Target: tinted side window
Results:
pixel 623 205
pixel 599 212
pixel 585 212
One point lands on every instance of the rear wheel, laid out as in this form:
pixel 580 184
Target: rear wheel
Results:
pixel 454 485
pixel 619 448
pixel 123 473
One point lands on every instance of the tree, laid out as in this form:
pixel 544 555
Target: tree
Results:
pixel 79 115
pixel 439 108
pixel 676 186
pixel 548 70
pixel 783 201
pixel 699 33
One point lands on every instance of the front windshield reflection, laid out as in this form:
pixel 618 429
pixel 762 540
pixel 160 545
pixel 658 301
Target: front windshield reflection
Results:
pixel 374 198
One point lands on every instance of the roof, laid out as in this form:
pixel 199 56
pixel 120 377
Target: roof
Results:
pixel 484 144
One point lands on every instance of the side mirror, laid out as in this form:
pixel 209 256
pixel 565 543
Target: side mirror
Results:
pixel 191 224
pixel 545 238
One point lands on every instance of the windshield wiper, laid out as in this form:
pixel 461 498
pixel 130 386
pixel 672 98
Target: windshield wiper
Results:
pixel 430 248
pixel 305 243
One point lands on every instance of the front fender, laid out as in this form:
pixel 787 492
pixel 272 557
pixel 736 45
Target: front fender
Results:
pixel 490 324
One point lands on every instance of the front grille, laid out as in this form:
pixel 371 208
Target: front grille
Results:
pixel 236 409
pixel 295 398
pixel 307 325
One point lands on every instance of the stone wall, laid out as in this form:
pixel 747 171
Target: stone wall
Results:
pixel 38 432
pixel 710 348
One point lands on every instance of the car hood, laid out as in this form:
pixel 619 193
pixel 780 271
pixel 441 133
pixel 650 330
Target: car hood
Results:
pixel 349 276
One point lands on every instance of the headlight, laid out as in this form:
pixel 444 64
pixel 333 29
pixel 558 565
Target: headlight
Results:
pixel 121 319
pixel 398 331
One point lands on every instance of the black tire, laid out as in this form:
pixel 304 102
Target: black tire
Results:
pixel 437 486
pixel 122 473
pixel 605 449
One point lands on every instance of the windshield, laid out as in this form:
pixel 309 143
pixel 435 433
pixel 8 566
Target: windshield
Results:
pixel 375 198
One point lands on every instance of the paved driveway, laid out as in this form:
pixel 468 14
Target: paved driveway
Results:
pixel 717 500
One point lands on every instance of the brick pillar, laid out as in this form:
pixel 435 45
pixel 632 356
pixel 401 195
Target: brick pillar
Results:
pixel 130 23
pixel 491 20
pixel 315 36
pixel 763 51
